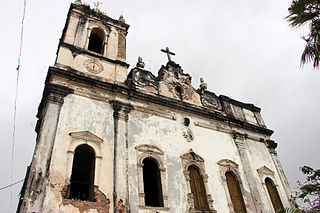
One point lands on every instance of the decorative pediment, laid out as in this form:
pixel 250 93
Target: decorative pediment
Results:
pixel 210 100
pixel 147 148
pixel 86 135
pixel 192 156
pixel 174 83
pixel 265 170
pixel 228 163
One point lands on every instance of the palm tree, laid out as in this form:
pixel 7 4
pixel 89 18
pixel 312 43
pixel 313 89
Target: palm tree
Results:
pixel 303 12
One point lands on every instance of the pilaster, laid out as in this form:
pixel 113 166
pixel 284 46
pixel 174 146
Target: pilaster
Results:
pixel 240 140
pixel 32 199
pixel 120 156
pixel 271 145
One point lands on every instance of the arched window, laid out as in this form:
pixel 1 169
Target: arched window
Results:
pixel 235 193
pixel 198 190
pixel 82 177
pixel 152 183
pixel 96 40
pixel 274 195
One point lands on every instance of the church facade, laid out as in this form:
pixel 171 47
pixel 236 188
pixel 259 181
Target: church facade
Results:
pixel 109 141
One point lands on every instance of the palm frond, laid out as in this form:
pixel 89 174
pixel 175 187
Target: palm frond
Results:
pixel 302 11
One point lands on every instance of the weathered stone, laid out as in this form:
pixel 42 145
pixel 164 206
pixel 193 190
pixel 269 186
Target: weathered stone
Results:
pixel 125 121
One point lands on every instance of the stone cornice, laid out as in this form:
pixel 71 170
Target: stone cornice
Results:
pixel 238 103
pixel 53 93
pixel 89 11
pixel 156 99
pixel 79 51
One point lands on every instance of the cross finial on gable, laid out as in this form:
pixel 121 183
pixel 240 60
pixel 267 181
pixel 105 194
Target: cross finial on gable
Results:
pixel 168 53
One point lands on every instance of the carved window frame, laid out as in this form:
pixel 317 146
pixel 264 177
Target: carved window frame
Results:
pixel 264 172
pixel 227 165
pixel 80 138
pixel 153 152
pixel 192 159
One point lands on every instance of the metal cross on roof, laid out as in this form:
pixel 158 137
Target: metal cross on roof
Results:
pixel 168 53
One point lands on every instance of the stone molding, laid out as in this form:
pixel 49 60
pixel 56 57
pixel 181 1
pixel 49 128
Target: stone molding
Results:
pixel 163 114
pixel 121 110
pixel 86 135
pixel 213 126
pixel 151 151
pixel 78 51
pixel 192 159
pixel 264 172
pixel 95 142
pixel 226 165
pixel 53 93
pixel 159 99
pixel 86 11
pixel 271 145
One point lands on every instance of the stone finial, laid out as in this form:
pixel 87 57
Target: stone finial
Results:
pixel 203 86
pixel 78 2
pixel 121 19
pixel 140 63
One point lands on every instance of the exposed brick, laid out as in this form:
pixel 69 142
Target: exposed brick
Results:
pixel 101 203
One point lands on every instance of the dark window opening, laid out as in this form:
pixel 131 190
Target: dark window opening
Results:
pixel 274 195
pixel 186 121
pixel 198 189
pixel 82 177
pixel 96 41
pixel 176 75
pixel 235 193
pixel 179 90
pixel 152 183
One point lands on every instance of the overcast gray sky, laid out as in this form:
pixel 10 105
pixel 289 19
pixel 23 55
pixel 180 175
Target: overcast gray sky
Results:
pixel 243 49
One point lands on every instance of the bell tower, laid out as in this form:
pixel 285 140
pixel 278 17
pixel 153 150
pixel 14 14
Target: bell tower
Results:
pixel 93 44
pixel 66 170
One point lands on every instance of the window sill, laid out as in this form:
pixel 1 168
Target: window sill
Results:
pixel 155 208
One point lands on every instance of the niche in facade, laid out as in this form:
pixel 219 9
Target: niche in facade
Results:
pixel 96 40
pixel 152 183
pixel 82 177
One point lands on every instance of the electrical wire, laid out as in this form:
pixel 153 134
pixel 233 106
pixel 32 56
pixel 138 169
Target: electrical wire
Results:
pixel 15 100
pixel 12 184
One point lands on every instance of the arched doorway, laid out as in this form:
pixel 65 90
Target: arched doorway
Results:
pixel 198 189
pixel 273 194
pixel 235 193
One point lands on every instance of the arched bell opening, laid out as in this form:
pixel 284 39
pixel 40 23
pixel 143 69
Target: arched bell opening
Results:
pixel 96 40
